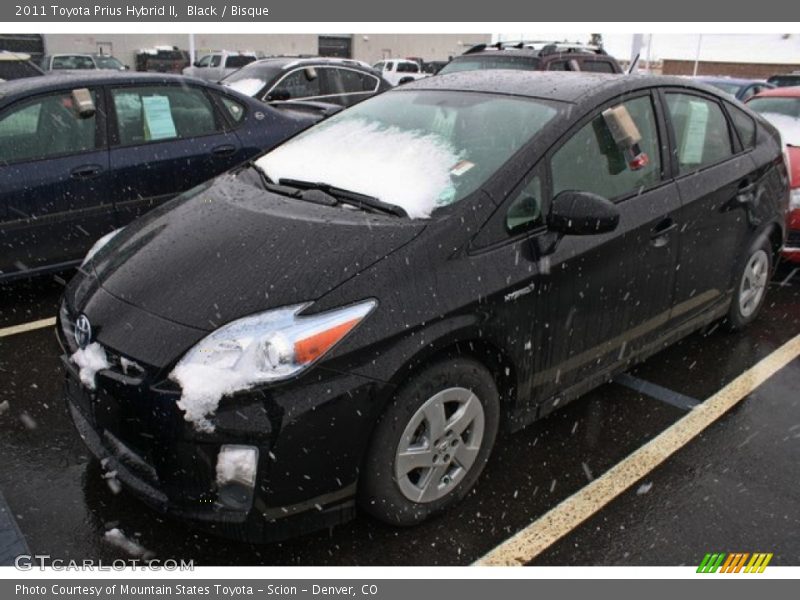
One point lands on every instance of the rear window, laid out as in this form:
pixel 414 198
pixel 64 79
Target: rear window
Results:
pixel 237 62
pixel 490 61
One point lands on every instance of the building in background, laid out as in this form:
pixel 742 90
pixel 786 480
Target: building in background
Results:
pixel 367 47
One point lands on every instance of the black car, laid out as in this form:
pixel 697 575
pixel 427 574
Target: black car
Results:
pixel 69 175
pixel 339 81
pixel 351 318
pixel 534 56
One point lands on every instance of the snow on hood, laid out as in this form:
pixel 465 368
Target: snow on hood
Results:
pixel 406 168
pixel 248 87
pixel 202 388
pixel 90 360
pixel 789 127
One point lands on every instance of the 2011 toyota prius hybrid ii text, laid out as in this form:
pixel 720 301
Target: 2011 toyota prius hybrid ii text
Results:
pixel 350 319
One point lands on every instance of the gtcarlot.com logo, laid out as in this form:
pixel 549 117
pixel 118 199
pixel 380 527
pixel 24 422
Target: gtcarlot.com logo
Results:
pixel 735 562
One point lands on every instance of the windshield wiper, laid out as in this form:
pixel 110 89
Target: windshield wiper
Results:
pixel 349 197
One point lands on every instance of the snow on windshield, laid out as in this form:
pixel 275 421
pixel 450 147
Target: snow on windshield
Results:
pixel 248 87
pixel 410 169
pixel 789 127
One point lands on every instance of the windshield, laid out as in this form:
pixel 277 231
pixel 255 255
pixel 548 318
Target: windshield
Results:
pixel 108 62
pixel 416 149
pixel 251 79
pixel 490 61
pixel 783 113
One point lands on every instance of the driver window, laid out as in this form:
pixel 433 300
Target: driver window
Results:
pixel 526 209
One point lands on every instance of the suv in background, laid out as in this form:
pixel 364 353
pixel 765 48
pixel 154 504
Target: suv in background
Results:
pixel 338 81
pixel 399 70
pixel 785 79
pixel 534 56
pixel 15 65
pixel 218 65
pixel 162 59
pixel 81 62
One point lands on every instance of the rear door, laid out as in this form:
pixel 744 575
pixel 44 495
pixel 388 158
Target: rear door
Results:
pixel 165 139
pixel 715 176
pixel 54 182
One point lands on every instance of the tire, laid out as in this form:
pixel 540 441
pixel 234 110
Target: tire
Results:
pixel 752 280
pixel 455 403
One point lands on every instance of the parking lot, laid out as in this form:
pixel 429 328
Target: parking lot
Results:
pixel 733 488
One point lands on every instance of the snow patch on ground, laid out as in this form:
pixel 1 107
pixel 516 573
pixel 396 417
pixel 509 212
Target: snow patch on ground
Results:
pixel 248 87
pixel 117 538
pixel 202 388
pixel 789 127
pixel 409 169
pixel 90 360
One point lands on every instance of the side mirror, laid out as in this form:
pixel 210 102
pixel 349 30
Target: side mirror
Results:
pixel 279 95
pixel 582 213
pixel 83 103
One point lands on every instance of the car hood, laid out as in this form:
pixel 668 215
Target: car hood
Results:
pixel 231 249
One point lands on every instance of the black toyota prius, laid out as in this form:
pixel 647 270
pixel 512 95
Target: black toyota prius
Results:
pixel 350 319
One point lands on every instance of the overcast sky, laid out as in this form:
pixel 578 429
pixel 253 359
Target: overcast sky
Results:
pixel 777 48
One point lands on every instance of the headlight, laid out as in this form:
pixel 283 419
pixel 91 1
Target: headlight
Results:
pixel 262 348
pixel 794 199
pixel 99 244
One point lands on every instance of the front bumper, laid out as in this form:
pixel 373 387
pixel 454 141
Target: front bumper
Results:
pixel 311 439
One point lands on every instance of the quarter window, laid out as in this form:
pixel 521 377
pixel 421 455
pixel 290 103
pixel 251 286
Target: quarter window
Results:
pixel 46 126
pixel 590 161
pixel 744 125
pixel 235 109
pixel 702 136
pixel 154 113
pixel 353 82
pixel 526 209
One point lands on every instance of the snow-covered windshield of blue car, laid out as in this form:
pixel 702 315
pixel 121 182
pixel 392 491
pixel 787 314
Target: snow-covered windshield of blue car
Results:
pixel 416 149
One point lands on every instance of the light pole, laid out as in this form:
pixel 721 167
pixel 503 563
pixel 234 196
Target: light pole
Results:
pixel 697 54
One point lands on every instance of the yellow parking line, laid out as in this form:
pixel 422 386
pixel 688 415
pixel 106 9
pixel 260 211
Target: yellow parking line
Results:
pixel 15 329
pixel 528 543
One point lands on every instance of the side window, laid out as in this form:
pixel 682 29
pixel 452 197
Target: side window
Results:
pixel 379 66
pixel 355 82
pixel 525 210
pixel 558 65
pixel 234 109
pixel 701 131
pixel 590 161
pixel 597 66
pixel 299 84
pixel 744 125
pixel 216 60
pixel 153 113
pixel 205 61
pixel 43 127
pixel 407 67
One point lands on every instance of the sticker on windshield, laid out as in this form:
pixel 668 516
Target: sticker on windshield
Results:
pixel 461 167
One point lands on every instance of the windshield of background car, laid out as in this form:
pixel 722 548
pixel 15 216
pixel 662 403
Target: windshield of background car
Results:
pixel 783 113
pixel 108 62
pixel 251 79
pixel 417 149
pixel 490 61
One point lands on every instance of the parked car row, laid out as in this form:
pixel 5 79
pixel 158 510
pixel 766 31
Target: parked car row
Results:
pixel 348 320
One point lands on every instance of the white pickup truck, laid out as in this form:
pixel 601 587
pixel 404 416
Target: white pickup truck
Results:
pixel 399 70
pixel 217 65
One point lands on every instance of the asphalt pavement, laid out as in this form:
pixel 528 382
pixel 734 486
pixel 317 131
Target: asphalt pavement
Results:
pixel 734 488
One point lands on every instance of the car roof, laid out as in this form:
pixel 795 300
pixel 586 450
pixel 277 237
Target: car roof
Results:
pixel 287 62
pixel 74 79
pixel 564 86
pixel 734 80
pixel 785 92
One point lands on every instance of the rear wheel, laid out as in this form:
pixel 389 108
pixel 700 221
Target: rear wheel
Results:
pixel 751 290
pixel 432 443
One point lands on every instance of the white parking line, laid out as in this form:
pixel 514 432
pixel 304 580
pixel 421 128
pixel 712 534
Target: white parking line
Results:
pixel 33 325
pixel 571 512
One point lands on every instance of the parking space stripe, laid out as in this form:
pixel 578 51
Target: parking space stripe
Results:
pixel 656 391
pixel 33 325
pixel 528 543
pixel 786 281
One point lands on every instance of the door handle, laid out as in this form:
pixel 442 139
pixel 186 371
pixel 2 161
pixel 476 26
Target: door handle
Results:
pixel 746 192
pixel 659 235
pixel 224 150
pixel 85 171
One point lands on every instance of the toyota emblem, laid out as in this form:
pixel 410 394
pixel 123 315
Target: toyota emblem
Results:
pixel 83 331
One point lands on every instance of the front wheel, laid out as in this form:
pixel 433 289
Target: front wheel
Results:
pixel 432 443
pixel 751 290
